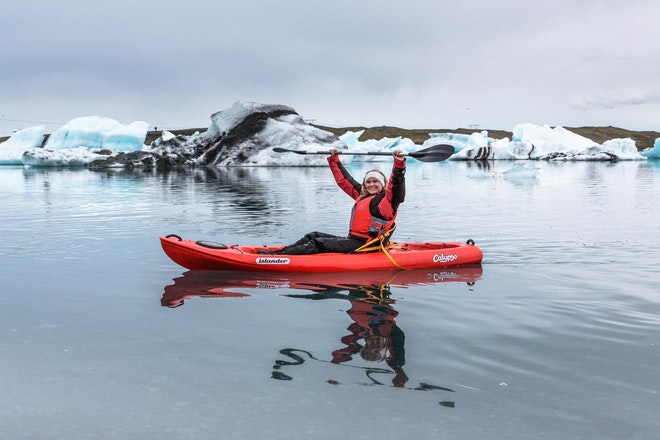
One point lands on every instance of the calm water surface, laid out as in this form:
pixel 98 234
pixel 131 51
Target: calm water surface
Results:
pixel 556 335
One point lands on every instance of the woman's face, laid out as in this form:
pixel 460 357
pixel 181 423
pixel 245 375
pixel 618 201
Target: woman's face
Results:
pixel 373 185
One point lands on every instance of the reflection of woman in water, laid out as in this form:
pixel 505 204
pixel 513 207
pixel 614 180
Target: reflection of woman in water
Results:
pixel 373 324
pixel 383 340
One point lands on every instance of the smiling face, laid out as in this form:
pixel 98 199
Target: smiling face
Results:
pixel 373 183
pixel 373 186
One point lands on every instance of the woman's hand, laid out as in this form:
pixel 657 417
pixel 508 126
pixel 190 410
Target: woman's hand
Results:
pixel 333 151
pixel 398 155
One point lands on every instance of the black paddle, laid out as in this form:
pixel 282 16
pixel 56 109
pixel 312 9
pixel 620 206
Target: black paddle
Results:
pixel 436 153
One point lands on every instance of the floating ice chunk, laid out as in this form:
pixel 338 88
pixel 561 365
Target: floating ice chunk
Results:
pixel 95 132
pixel 11 151
pixel 350 138
pixel 72 157
pixel 652 153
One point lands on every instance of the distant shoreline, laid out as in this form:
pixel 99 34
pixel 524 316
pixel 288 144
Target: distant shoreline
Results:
pixel 643 139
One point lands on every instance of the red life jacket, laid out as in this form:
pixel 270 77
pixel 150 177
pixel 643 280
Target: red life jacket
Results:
pixel 365 225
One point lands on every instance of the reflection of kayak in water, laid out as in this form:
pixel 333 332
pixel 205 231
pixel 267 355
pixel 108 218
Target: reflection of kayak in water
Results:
pixel 222 284
pixel 205 255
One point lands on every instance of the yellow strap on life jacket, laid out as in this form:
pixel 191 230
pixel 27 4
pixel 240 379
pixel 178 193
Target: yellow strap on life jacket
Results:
pixel 380 243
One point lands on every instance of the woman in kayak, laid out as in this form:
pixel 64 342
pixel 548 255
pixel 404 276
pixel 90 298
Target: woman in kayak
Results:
pixel 376 203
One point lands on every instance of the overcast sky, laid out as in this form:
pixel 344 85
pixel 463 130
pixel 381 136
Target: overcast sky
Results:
pixel 407 63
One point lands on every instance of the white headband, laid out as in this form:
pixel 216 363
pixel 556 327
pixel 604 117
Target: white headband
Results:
pixel 376 175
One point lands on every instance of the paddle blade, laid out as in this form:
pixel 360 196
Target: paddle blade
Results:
pixel 286 150
pixel 436 153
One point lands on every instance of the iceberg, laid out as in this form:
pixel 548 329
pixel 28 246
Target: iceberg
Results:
pixel 652 153
pixel 545 134
pixel 72 157
pixel 94 132
pixel 11 151
pixel 350 138
pixel 246 133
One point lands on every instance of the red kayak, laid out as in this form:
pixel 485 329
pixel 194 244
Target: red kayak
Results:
pixel 352 285
pixel 207 255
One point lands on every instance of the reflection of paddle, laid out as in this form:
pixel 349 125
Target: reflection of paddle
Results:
pixel 436 153
pixel 298 359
